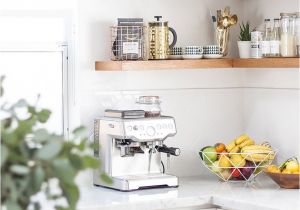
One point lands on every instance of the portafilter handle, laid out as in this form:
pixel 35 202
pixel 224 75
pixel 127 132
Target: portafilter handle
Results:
pixel 169 150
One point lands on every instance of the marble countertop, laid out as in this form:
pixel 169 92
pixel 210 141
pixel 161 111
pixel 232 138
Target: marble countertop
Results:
pixel 201 191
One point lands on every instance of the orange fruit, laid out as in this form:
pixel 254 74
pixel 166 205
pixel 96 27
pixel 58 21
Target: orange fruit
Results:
pixel 220 147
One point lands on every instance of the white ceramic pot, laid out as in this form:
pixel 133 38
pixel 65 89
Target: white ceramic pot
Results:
pixel 244 49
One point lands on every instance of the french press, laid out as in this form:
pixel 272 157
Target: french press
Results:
pixel 159 47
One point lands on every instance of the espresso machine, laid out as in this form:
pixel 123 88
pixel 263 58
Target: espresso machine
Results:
pixel 130 151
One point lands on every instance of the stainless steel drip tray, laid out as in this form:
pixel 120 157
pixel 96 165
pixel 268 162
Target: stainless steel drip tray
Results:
pixel 144 181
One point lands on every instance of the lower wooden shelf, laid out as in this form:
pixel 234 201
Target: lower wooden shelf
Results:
pixel 197 64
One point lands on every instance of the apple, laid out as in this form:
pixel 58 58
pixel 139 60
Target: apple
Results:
pixel 209 155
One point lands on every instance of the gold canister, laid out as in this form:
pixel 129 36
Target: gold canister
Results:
pixel 159 47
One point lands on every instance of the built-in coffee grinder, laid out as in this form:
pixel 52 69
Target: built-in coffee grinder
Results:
pixel 130 151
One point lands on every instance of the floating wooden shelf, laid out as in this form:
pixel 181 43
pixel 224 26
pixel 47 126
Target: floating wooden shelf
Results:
pixel 197 64
pixel 266 63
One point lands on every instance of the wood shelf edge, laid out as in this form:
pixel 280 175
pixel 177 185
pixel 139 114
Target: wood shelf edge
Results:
pixel 266 63
pixel 197 64
pixel 162 64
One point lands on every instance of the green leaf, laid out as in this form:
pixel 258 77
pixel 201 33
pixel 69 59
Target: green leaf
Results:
pixel 63 170
pixel 50 150
pixel 24 127
pixel 31 109
pixel 106 178
pixel 9 138
pixel 1 86
pixel 24 184
pixel 245 34
pixel 71 192
pixel 36 206
pixel 20 103
pixel 41 135
pixel 38 178
pixel 80 131
pixel 8 186
pixel 90 162
pixel 82 145
pixel 43 115
pixel 4 154
pixel 10 205
pixel 19 169
pixel 76 161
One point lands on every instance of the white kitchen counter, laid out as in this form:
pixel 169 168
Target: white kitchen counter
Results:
pixel 263 194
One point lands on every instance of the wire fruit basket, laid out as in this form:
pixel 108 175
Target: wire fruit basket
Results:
pixel 239 166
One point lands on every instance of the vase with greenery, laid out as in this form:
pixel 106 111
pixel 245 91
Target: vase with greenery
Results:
pixel 244 40
pixel 33 159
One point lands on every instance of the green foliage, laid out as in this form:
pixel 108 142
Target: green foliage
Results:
pixel 245 33
pixel 31 157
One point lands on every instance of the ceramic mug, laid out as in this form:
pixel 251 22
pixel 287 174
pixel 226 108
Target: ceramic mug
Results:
pixel 211 50
pixel 193 50
pixel 176 51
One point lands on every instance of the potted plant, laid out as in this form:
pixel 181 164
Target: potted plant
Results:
pixel 245 40
pixel 33 160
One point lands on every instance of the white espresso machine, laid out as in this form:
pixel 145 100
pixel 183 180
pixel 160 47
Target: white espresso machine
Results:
pixel 130 152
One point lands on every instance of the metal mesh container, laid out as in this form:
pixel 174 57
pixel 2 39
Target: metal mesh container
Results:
pixel 128 43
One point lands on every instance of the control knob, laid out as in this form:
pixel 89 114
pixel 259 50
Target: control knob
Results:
pixel 150 131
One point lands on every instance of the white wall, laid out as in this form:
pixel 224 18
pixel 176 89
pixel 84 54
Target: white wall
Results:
pixel 271 108
pixel 209 105
pixel 205 103
pixel 255 11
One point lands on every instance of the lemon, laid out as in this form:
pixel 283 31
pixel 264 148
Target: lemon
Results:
pixel 292 166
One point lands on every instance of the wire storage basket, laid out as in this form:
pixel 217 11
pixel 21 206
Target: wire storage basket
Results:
pixel 128 43
pixel 237 166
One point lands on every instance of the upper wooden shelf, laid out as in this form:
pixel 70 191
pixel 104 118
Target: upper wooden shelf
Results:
pixel 197 64
pixel 266 63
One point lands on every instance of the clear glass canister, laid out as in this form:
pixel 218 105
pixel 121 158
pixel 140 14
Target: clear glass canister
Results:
pixel 287 40
pixel 150 104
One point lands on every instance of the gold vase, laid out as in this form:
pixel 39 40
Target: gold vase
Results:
pixel 222 37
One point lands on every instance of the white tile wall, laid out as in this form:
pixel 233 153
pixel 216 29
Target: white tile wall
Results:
pixel 273 115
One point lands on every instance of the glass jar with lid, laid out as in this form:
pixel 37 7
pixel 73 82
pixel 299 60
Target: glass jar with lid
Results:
pixel 287 40
pixel 150 104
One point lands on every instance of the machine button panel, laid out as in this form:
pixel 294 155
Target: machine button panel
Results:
pixel 150 131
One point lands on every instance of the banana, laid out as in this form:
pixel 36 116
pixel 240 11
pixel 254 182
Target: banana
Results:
pixel 258 157
pixel 257 153
pixel 256 147
pixel 230 146
pixel 235 149
pixel 241 139
pixel 248 142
